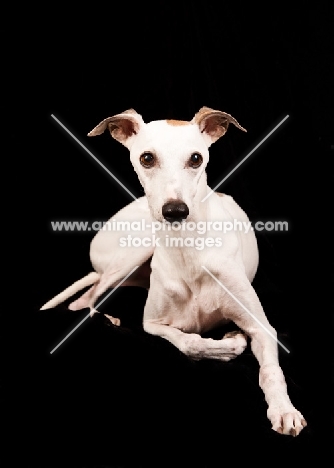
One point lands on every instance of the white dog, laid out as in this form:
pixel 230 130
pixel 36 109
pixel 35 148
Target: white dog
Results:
pixel 195 284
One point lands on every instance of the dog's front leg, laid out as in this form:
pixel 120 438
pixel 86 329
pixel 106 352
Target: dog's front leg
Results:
pixel 285 418
pixel 243 307
pixel 196 347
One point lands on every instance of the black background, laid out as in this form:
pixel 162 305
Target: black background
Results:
pixel 120 397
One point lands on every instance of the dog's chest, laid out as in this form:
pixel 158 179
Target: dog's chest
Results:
pixel 200 313
pixel 185 298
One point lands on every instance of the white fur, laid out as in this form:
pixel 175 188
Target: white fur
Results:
pixel 183 299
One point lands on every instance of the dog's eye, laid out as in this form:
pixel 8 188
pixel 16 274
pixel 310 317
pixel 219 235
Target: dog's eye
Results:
pixel 195 160
pixel 147 160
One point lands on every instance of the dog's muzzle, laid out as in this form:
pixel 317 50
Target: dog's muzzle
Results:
pixel 175 211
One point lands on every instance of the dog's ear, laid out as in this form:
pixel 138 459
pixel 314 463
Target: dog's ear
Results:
pixel 213 124
pixel 122 126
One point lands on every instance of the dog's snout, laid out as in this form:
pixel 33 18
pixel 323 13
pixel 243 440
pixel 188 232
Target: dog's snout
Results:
pixel 175 211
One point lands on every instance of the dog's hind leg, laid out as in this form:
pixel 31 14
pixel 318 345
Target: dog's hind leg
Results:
pixel 84 300
pixel 140 277
pixel 89 299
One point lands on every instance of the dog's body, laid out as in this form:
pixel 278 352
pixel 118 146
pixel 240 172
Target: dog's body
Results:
pixel 192 288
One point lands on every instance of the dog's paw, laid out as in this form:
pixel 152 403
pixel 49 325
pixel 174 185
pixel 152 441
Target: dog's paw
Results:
pixel 287 422
pixel 196 347
pixel 113 320
pixel 236 342
pixel 93 312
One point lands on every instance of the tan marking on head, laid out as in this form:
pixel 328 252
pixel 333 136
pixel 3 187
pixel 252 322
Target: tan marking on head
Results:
pixel 177 122
pixel 220 194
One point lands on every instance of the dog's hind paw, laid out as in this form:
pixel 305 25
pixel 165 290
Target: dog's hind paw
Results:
pixel 113 320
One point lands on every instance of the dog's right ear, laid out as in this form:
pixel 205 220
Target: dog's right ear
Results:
pixel 123 127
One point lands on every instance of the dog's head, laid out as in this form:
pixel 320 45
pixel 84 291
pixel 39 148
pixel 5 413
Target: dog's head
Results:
pixel 169 157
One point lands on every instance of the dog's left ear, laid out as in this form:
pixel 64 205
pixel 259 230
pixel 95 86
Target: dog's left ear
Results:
pixel 213 124
pixel 122 126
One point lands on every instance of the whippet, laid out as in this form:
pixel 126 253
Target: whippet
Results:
pixel 194 283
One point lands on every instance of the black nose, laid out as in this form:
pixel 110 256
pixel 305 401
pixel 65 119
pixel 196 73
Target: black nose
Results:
pixel 175 211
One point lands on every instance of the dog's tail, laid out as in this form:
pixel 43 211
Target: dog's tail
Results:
pixel 91 278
